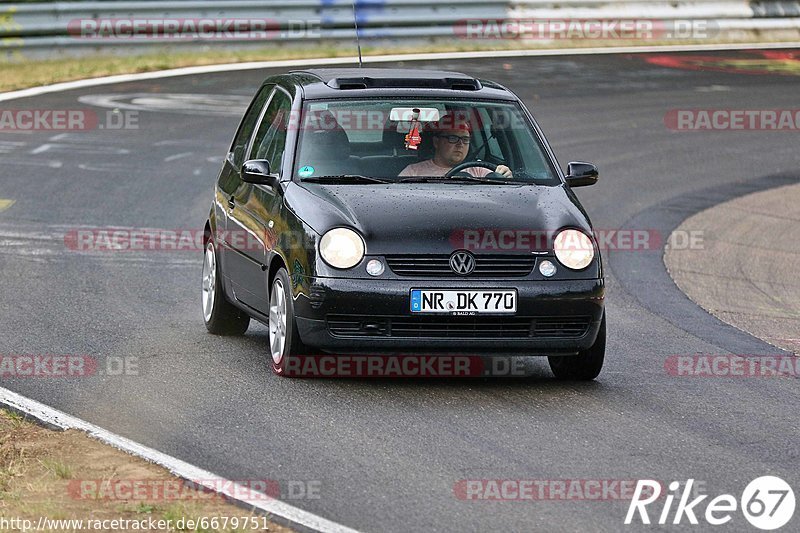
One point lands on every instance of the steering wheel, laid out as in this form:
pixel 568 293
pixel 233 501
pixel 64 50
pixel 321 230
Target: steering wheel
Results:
pixel 469 164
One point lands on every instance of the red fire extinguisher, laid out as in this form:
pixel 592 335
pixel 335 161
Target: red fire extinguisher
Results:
pixel 413 138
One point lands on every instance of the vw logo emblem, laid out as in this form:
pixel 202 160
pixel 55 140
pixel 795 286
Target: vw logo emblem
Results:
pixel 462 263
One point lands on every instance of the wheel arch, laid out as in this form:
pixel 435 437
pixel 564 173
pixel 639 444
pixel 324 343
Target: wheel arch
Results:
pixel 275 264
pixel 210 227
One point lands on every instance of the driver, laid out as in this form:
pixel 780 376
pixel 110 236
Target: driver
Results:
pixel 451 138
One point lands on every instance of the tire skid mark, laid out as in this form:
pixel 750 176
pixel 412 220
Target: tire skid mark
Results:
pixel 47 243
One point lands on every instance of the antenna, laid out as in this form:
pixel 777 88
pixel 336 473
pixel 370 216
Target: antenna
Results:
pixel 358 41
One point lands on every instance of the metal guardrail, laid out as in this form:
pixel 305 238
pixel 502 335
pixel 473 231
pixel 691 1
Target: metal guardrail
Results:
pixel 45 26
pixel 53 25
pixel 774 9
pixel 628 9
pixel 54 19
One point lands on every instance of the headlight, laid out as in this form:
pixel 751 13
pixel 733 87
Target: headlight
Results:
pixel 341 248
pixel 574 249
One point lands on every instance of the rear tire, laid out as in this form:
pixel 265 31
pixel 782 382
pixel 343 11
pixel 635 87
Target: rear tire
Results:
pixel 587 364
pixel 220 316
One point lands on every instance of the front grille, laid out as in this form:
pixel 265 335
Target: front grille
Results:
pixel 561 327
pixel 358 326
pixel 457 327
pixel 439 265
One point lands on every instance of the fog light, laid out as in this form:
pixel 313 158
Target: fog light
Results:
pixel 547 268
pixel 375 267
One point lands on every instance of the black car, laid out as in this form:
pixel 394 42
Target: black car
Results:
pixel 338 223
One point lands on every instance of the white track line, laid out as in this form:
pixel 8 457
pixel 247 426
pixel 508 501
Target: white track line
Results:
pixel 298 63
pixel 60 420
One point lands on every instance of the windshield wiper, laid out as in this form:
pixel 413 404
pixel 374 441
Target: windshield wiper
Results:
pixel 423 179
pixel 455 179
pixel 479 179
pixel 356 178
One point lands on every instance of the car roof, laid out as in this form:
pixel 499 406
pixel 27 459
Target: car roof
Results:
pixel 325 83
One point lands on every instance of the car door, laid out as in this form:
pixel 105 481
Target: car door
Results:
pixel 252 222
pixel 236 269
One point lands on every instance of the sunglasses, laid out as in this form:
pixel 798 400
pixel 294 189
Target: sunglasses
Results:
pixel 453 139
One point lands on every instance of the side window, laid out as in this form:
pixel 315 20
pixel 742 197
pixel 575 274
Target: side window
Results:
pixel 248 124
pixel 270 140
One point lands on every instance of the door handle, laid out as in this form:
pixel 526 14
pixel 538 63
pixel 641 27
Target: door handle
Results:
pixel 231 203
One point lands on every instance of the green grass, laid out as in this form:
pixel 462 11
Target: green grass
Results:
pixel 15 418
pixel 144 508
pixel 12 463
pixel 57 468
pixel 20 73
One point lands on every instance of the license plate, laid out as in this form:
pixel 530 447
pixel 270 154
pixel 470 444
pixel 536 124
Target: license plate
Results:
pixel 464 302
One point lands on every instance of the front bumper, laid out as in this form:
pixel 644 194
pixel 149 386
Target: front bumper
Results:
pixel 362 315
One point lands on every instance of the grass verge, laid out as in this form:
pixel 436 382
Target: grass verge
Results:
pixel 70 476
pixel 18 73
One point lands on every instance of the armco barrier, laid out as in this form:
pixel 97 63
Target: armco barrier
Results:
pixel 45 27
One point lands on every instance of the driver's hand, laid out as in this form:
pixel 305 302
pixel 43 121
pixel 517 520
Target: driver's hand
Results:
pixel 504 170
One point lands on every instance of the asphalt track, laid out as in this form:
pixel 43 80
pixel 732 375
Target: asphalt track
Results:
pixel 386 454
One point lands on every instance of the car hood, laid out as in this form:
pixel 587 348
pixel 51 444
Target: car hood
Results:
pixel 439 218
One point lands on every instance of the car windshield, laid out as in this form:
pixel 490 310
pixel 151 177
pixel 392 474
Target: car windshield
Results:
pixel 368 141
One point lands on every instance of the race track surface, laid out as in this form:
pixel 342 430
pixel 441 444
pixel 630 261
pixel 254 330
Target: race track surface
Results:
pixel 387 454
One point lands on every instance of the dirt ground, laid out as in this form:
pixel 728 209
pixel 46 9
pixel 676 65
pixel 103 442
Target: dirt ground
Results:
pixel 67 475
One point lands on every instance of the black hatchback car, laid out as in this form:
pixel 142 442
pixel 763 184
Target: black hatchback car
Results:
pixel 398 211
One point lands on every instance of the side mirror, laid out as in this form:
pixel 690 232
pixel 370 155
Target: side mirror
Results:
pixel 257 171
pixel 580 174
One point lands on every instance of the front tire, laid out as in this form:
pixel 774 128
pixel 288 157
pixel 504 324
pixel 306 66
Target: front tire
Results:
pixel 220 316
pixel 284 340
pixel 587 364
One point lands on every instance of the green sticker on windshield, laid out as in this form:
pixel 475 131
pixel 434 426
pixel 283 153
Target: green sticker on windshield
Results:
pixel 306 171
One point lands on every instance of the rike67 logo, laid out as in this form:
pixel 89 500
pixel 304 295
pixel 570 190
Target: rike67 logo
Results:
pixel 767 502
